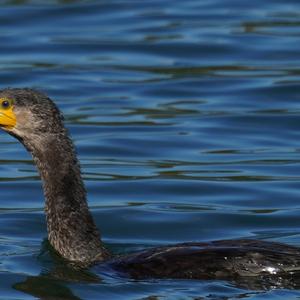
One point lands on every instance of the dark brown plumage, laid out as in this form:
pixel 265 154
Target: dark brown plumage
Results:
pixel 72 232
pixel 71 229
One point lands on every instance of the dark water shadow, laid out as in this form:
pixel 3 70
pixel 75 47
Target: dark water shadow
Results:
pixel 52 282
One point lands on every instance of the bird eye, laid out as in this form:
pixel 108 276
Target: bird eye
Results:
pixel 5 104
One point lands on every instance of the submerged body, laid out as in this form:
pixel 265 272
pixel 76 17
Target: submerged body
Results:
pixel 227 259
pixel 35 121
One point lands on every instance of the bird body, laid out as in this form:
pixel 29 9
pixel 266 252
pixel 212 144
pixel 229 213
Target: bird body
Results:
pixel 34 119
pixel 224 259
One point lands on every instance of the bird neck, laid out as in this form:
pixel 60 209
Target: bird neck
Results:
pixel 71 228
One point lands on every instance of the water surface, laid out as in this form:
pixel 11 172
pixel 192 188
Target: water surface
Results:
pixel 185 115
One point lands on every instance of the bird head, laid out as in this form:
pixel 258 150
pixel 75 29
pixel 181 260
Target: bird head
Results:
pixel 25 113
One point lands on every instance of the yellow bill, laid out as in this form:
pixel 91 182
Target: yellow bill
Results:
pixel 7 116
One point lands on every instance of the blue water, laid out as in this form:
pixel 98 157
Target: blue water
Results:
pixel 185 115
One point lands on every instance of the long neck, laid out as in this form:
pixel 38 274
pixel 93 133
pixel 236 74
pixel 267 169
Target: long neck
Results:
pixel 71 229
